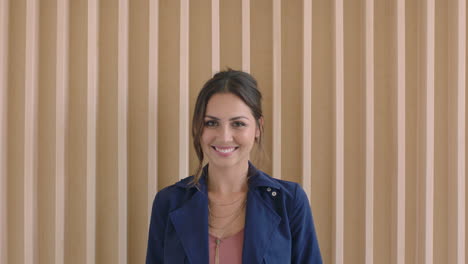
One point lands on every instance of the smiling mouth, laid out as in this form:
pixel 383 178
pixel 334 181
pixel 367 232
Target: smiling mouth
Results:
pixel 225 149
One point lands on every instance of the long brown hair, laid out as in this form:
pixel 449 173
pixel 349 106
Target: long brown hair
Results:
pixel 239 83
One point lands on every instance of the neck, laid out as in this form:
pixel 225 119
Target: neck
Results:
pixel 228 180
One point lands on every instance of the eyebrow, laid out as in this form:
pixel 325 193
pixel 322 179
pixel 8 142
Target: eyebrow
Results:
pixel 231 119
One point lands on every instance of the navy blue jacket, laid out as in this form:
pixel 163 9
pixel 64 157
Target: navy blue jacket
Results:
pixel 278 227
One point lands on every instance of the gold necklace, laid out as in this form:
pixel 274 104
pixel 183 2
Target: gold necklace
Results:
pixel 225 204
pixel 224 228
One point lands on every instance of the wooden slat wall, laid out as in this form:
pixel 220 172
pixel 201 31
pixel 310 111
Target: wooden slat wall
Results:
pixel 3 130
pixel 153 52
pixel 91 128
pixel 429 62
pixel 184 90
pixel 122 106
pixel 30 132
pixel 369 72
pixel 277 153
pixel 400 193
pixel 61 106
pixel 338 190
pixel 162 103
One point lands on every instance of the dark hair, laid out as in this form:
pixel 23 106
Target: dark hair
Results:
pixel 239 83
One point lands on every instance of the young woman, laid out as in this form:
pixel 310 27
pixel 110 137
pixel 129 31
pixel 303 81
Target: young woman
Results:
pixel 229 211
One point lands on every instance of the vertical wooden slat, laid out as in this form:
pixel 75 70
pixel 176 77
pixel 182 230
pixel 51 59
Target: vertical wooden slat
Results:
pixel 307 99
pixel 277 89
pixel 122 128
pixel 184 90
pixel 338 227
pixel 215 34
pixel 429 130
pixel 399 244
pixel 246 35
pixel 369 80
pixel 91 126
pixel 461 131
pixel 3 129
pixel 153 102
pixel 61 112
pixel 30 132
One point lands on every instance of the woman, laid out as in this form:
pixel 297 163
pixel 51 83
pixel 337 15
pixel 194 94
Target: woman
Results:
pixel 230 212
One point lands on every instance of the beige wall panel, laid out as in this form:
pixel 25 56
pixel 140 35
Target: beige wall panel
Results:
pixel 461 130
pixel 399 195
pixel 107 180
pixel 215 37
pixel 354 139
pixel 199 60
pixel 466 141
pixel 230 34
pixel 61 124
pixel 246 35
pixel 322 158
pixel 369 62
pixel 441 134
pixel 428 124
pixel 262 69
pixel 122 127
pixel 75 216
pixel 412 17
pixel 456 131
pixel 15 125
pixel 452 182
pixel 153 81
pixel 338 181
pixel 46 130
pixel 138 145
pixel 168 97
pixel 291 99
pixel 277 91
pixel 385 134
pixel 30 132
pixel 306 95
pixel 92 127
pixel 4 17
pixel 184 88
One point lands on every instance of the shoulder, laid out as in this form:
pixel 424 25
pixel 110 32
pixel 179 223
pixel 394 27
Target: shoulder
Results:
pixel 288 189
pixel 173 196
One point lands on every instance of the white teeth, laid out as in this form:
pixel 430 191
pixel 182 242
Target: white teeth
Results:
pixel 227 150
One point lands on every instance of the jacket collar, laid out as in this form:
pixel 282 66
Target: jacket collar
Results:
pixel 257 178
pixel 191 220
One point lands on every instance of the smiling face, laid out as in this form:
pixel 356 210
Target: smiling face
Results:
pixel 229 131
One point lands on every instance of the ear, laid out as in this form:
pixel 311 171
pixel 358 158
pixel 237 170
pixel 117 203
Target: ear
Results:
pixel 258 130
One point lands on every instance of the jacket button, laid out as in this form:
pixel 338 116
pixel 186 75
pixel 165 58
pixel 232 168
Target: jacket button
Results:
pixel 268 189
pixel 273 193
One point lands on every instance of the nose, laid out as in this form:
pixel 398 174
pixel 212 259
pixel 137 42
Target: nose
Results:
pixel 225 133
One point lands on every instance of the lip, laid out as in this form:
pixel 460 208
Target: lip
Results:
pixel 224 151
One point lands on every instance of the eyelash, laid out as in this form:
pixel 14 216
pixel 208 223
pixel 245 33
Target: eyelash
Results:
pixel 212 123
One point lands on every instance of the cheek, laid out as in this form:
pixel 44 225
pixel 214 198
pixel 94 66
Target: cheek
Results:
pixel 206 137
pixel 247 138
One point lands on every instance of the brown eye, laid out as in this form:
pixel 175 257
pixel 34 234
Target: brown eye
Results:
pixel 238 124
pixel 211 123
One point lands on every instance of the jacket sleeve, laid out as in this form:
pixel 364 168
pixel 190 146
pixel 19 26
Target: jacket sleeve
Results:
pixel 305 248
pixel 155 251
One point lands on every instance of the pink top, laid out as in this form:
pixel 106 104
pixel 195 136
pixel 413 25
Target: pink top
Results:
pixel 230 248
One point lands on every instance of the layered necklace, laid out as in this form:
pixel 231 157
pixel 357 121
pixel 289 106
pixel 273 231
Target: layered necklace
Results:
pixel 231 217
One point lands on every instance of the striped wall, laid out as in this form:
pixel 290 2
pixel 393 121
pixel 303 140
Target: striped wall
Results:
pixel 364 102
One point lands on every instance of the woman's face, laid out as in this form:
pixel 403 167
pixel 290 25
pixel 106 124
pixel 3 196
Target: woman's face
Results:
pixel 229 131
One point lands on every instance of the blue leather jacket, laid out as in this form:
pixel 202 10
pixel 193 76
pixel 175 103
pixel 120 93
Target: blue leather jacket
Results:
pixel 278 227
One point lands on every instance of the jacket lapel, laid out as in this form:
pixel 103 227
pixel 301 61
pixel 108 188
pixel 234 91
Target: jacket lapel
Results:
pixel 191 224
pixel 260 224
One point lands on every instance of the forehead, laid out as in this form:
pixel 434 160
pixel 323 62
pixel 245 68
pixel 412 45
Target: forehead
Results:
pixel 225 105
